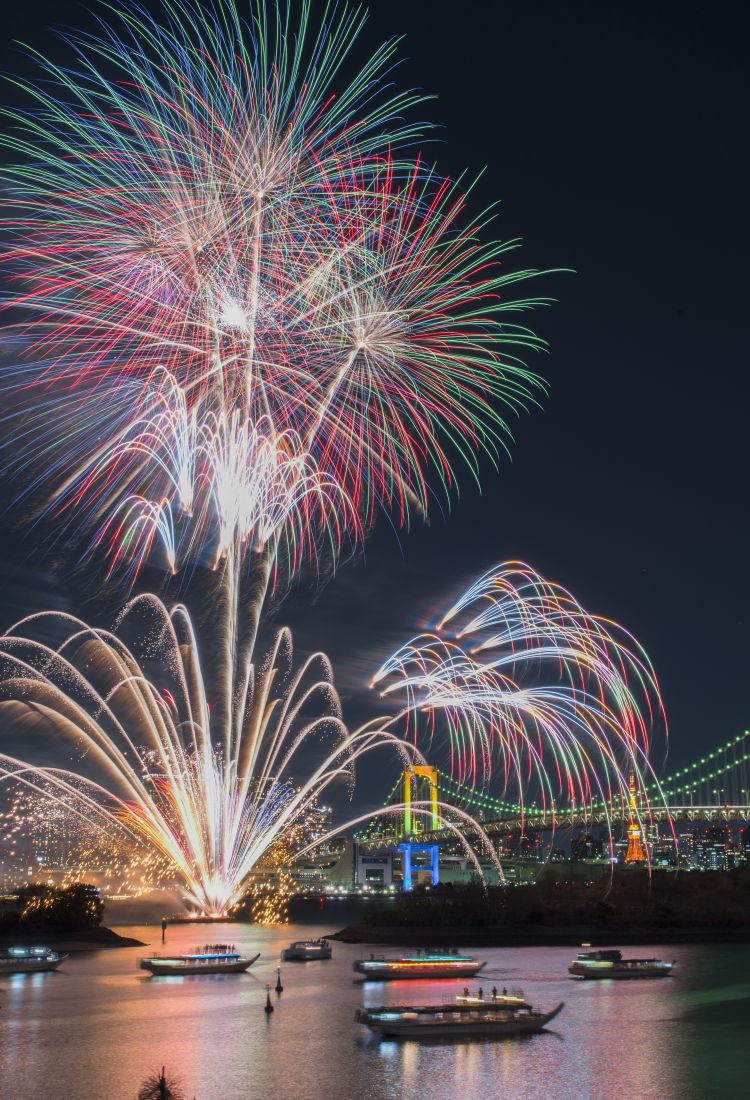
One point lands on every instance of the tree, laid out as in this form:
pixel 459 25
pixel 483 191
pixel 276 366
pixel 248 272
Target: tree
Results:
pixel 157 1087
pixel 60 909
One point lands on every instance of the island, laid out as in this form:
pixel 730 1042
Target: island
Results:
pixel 67 918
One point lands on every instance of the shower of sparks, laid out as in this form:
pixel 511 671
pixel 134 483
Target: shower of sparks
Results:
pixel 253 312
pixel 532 689
pixel 43 836
pixel 146 764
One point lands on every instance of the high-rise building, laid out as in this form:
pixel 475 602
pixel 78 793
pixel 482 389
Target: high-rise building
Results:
pixel 663 852
pixel 711 847
pixel 686 857
pixel 734 856
pixel 586 846
pixel 745 844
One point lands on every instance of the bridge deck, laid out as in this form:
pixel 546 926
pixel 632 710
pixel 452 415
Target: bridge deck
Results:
pixel 533 822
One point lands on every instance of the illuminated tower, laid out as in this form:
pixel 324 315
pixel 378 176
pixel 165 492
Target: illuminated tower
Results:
pixel 420 775
pixel 636 852
pixel 428 775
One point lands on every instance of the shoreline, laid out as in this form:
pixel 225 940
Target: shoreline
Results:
pixel 94 939
pixel 386 936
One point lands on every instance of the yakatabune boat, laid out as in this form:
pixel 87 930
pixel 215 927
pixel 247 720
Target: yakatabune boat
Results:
pixel 307 951
pixel 427 964
pixel 214 958
pixel 490 1020
pixel 29 960
pixel 609 963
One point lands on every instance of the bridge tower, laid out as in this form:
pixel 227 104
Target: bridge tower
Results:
pixel 415 823
pixel 412 775
pixel 636 852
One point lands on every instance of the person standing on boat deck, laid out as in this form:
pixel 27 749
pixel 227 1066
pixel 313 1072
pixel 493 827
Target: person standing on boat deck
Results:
pixel 480 993
pixel 494 993
pixel 466 991
pixel 163 929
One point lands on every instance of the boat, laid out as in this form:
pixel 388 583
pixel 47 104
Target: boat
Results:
pixel 29 960
pixel 214 958
pixel 424 964
pixel 307 951
pixel 490 1020
pixel 609 963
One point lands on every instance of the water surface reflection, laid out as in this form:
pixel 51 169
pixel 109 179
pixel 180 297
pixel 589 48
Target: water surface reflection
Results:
pixel 97 1027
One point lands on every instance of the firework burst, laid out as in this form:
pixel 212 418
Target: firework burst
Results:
pixel 211 805
pixel 533 689
pixel 244 287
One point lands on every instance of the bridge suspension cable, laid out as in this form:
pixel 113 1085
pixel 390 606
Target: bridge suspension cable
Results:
pixel 721 777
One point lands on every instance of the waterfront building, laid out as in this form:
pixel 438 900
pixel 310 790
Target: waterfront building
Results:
pixel 734 857
pixel 373 868
pixel 686 857
pixel 745 844
pixel 711 846
pixel 586 846
pixel 329 865
pixel 663 852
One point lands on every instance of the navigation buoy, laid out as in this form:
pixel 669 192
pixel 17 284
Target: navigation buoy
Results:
pixel 279 986
pixel 269 1007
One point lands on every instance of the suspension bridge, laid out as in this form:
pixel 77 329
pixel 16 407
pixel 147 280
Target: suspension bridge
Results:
pixel 714 788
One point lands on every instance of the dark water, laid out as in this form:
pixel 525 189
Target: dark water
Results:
pixel 96 1028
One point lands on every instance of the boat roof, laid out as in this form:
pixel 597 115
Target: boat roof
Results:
pixel 437 956
pixel 423 958
pixel 27 952
pixel 499 998
pixel 212 955
pixel 195 957
pixel 615 956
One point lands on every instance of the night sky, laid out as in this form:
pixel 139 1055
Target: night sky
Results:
pixel 615 138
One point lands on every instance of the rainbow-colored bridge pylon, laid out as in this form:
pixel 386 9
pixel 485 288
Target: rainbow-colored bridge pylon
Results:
pixel 430 774
pixel 412 823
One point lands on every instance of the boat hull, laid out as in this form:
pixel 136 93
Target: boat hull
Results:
pixel 484 1028
pixel 624 974
pixel 162 968
pixel 393 973
pixel 40 966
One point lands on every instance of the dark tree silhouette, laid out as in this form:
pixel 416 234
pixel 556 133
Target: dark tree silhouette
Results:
pixel 44 908
pixel 157 1087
